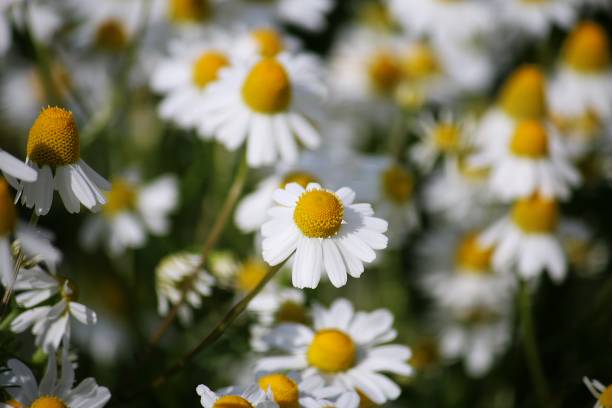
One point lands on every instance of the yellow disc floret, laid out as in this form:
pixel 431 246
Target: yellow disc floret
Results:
pixel 250 274
pixel 48 402
pixel 284 390
pixel 111 35
pixel 535 215
pixel 587 49
pixel 447 137
pixel 8 213
pixel 605 399
pixel 319 214
pixel 523 96
pixel 303 178
pixel 267 88
pixel 185 11
pixel 121 197
pixel 384 71
pixel 232 401
pixel 397 184
pixel 421 62
pixel 529 140
pixel 332 351
pixel 207 66
pixel 54 138
pixel 472 256
pixel 269 42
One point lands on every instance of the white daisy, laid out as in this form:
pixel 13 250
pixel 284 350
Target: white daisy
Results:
pixel 52 391
pixel 526 241
pixel 346 348
pixel 54 153
pixel 15 170
pixel 602 393
pixel 50 324
pixel 536 18
pixel 131 211
pixel 250 397
pixel 268 102
pixel 325 230
pixel 181 276
pixel 310 15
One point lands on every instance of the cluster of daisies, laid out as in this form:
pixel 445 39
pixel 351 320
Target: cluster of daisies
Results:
pixel 392 135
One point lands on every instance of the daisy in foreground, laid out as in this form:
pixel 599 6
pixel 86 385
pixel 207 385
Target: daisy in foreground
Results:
pixel 235 397
pixel 52 392
pixel 14 169
pixel 54 153
pixel 345 348
pixel 325 230
pixel 602 393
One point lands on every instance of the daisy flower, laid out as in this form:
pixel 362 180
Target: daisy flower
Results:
pixel 346 348
pixel 53 151
pixel 52 391
pixel 536 18
pixel 249 397
pixel 267 101
pixel 602 394
pixel 526 241
pixel 533 162
pixel 15 170
pixel 50 323
pixel 132 210
pixel 309 15
pixel 181 276
pixel 325 231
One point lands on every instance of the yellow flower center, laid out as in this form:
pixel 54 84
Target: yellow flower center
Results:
pixel 232 401
pixel 121 197
pixel 8 213
pixel 447 136
pixel 185 11
pixel 13 403
pixel 207 66
pixel 529 140
pixel 535 214
pixel 471 256
pixel 331 351
pixel 284 390
pixel 587 48
pixel 319 214
pixel 605 398
pixel 269 41
pixel 424 354
pixel 267 88
pixel 523 94
pixel 377 16
pixel 397 184
pixel 48 402
pixel 111 35
pixel 421 63
pixel 384 71
pixel 250 274
pixel 54 138
pixel 303 178
pixel 587 124
pixel 291 312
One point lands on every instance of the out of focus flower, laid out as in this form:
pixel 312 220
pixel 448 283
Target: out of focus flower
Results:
pixel 130 212
pixel 15 170
pixel 50 324
pixel 325 230
pixel 526 239
pixel 602 393
pixel 52 392
pixel 179 279
pixel 54 153
pixel 240 397
pixel 310 15
pixel 536 18
pixel 586 252
pixel 269 102
pixel 346 349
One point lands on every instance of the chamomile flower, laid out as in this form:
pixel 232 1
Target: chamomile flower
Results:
pixel 269 102
pixel 250 397
pixel 181 276
pixel 52 392
pixel 53 151
pixel 346 348
pixel 311 15
pixel 602 393
pixel 536 18
pixel 50 323
pixel 14 169
pixel 324 230
pixel 526 241
pixel 131 211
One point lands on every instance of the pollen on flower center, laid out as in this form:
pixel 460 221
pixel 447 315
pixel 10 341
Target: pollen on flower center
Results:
pixel 332 351
pixel 384 71
pixel 269 42
pixel 207 66
pixel 184 11
pixel 111 35
pixel 54 138
pixel 250 274
pixel 121 197
pixel 232 401
pixel 48 402
pixel 8 213
pixel 605 399
pixel 303 178
pixel 284 389
pixel 267 88
pixel 523 94
pixel 535 214
pixel 587 48
pixel 421 63
pixel 319 214
pixel 447 136
pixel 471 256
pixel 397 184
pixel 529 140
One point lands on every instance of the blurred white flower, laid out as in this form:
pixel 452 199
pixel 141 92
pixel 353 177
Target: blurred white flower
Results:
pixel 15 170
pixel 310 15
pixel 536 18
pixel 251 396
pixel 602 394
